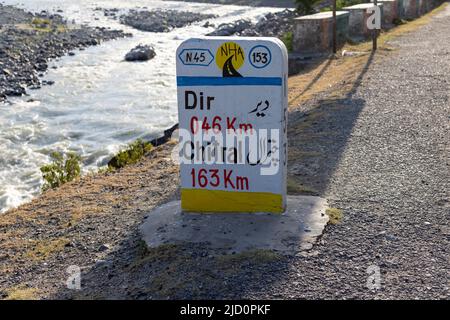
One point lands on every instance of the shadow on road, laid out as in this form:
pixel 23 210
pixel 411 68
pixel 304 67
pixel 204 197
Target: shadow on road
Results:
pixel 318 134
pixel 315 79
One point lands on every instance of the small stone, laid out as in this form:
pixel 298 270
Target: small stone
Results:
pixel 104 247
pixel 102 263
pixel 6 71
pixel 391 238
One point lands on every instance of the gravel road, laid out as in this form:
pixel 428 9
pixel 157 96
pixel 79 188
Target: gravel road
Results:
pixel 391 177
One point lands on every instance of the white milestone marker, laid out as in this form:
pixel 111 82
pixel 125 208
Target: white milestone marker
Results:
pixel 232 106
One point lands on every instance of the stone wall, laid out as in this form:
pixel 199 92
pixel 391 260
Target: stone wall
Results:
pixel 314 33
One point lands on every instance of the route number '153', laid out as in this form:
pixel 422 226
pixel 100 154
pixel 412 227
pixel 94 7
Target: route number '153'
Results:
pixel 260 57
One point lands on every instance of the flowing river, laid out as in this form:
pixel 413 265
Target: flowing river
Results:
pixel 98 103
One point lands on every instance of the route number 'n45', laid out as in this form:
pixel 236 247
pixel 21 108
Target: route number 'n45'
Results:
pixel 196 57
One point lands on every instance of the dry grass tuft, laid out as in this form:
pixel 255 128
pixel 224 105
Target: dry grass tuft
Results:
pixel 21 293
pixel 43 249
pixel 336 215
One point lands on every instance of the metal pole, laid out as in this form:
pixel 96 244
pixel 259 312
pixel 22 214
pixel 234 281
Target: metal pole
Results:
pixel 374 32
pixel 335 27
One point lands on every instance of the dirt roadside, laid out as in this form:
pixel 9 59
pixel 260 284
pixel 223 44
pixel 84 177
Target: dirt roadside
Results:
pixel 92 223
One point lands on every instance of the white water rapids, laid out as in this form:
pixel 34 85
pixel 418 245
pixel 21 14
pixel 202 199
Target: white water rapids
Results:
pixel 98 103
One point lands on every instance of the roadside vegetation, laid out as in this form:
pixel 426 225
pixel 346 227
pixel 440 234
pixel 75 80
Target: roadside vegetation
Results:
pixel 66 168
pixel 130 155
pixel 342 4
pixel 62 169
pixel 306 6
pixel 287 40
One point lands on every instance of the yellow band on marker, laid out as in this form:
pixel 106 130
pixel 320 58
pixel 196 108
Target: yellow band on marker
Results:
pixel 199 200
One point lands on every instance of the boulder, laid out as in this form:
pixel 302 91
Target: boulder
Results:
pixel 141 53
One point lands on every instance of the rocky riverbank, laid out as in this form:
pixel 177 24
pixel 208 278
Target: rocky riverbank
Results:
pixel 161 20
pixel 28 41
pixel 271 25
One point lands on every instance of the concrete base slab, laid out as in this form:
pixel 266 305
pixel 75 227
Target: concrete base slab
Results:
pixel 290 233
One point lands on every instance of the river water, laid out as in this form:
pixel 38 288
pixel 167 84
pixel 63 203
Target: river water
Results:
pixel 98 103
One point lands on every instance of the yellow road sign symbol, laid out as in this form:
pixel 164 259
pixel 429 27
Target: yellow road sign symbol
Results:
pixel 229 58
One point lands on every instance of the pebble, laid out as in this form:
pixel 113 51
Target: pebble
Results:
pixel 104 247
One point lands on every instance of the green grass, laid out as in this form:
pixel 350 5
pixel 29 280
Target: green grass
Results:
pixel 287 39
